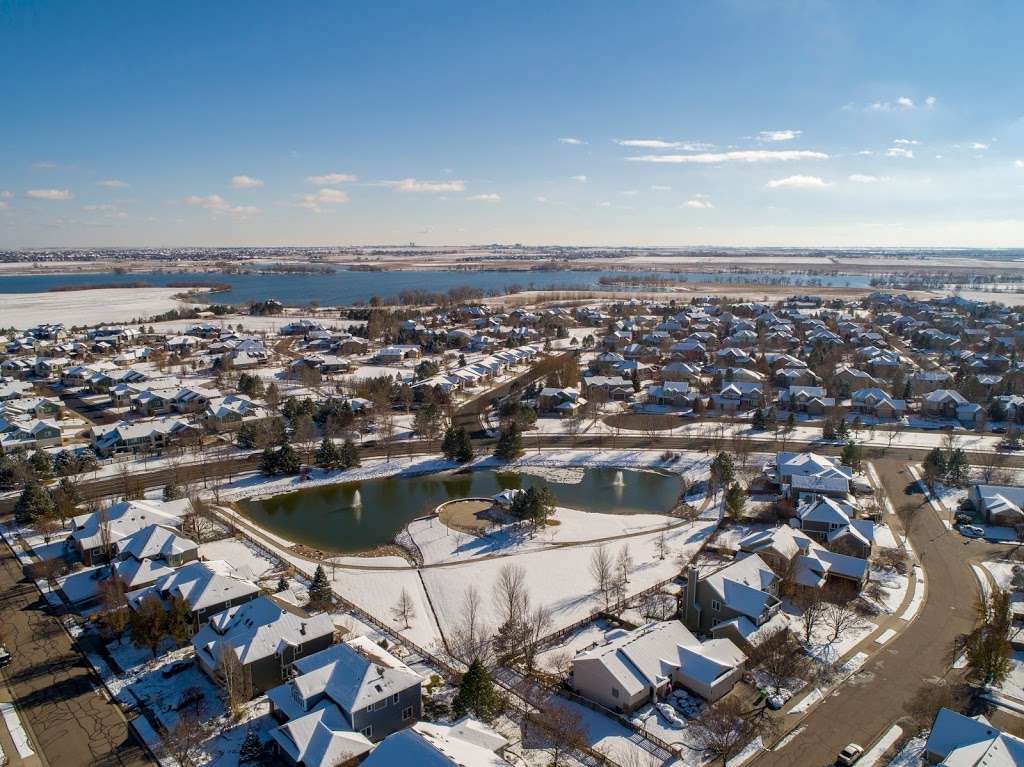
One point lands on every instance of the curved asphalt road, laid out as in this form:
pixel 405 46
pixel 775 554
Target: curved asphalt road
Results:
pixel 868 704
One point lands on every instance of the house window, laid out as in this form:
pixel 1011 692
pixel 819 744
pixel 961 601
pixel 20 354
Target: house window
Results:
pixel 367 731
pixel 394 698
pixel 380 704
pixel 715 605
pixel 615 692
pixel 407 713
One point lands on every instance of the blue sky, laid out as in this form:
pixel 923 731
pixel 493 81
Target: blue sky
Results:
pixel 730 123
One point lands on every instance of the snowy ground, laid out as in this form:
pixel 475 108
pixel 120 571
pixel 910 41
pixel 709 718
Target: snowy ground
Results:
pixel 85 307
pixel 559 578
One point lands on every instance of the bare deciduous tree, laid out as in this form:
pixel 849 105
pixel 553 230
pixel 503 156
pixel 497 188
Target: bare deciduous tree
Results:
pixel 562 732
pixel 471 637
pixel 404 610
pixel 236 678
pixel 723 729
pixel 601 569
pixel 183 741
pixel 839 618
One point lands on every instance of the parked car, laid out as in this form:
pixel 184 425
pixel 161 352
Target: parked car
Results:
pixel 972 531
pixel 962 518
pixel 849 755
pixel 5 656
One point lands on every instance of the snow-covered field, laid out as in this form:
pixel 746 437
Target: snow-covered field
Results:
pixel 559 578
pixel 85 307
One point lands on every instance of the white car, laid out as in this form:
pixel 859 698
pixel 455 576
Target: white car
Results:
pixel 849 755
pixel 5 656
pixel 972 531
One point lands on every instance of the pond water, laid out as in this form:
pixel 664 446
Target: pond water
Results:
pixel 344 287
pixel 358 516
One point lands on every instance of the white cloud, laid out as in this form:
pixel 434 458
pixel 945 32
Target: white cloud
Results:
pixel 866 152
pixel 1019 163
pixel 748 156
pixel 571 140
pixel 315 201
pixel 797 182
pixel 6 195
pixel 902 104
pixel 630 192
pixel 929 102
pixel 907 141
pixel 657 143
pixel 896 151
pixel 863 178
pixel 218 204
pixel 581 179
pixel 436 187
pixel 245 182
pixel 49 194
pixel 113 183
pixel 778 135
pixel 660 188
pixel 698 203
pixel 45 165
pixel 541 199
pixel 330 179
pixel 4 205
pixel 485 197
pixel 108 210
pixel 604 204
pixel 979 145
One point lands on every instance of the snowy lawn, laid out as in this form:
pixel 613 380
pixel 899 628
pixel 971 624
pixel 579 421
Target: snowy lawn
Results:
pixel 558 579
pixel 439 543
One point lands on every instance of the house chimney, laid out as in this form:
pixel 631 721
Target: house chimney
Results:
pixel 302 629
pixel 691 611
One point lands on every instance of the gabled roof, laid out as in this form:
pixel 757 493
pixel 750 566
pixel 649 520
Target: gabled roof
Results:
pixel 960 741
pixel 258 629
pixel 321 737
pixel 353 674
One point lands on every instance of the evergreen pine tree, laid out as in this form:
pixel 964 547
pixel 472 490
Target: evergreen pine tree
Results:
pixel 251 750
pixel 851 455
pixel 327 456
pixel 476 694
pixel 735 500
pixel 320 595
pixel 33 503
pixel 510 443
pixel 288 461
pixel 268 462
pixel 348 456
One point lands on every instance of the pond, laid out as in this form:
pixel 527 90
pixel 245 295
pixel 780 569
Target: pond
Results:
pixel 359 516
pixel 345 287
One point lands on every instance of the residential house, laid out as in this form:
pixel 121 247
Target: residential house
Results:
pixel 962 741
pixel 732 600
pixel 630 669
pixel 368 690
pixel 207 588
pixel 266 635
pixel 465 743
pixel 834 522
pixel 806 399
pixel 876 403
pixel 147 436
pixel 999 504
pixel 94 532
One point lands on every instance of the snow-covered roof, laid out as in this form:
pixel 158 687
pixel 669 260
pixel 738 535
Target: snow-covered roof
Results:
pixel 321 737
pixel 960 741
pixel 258 629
